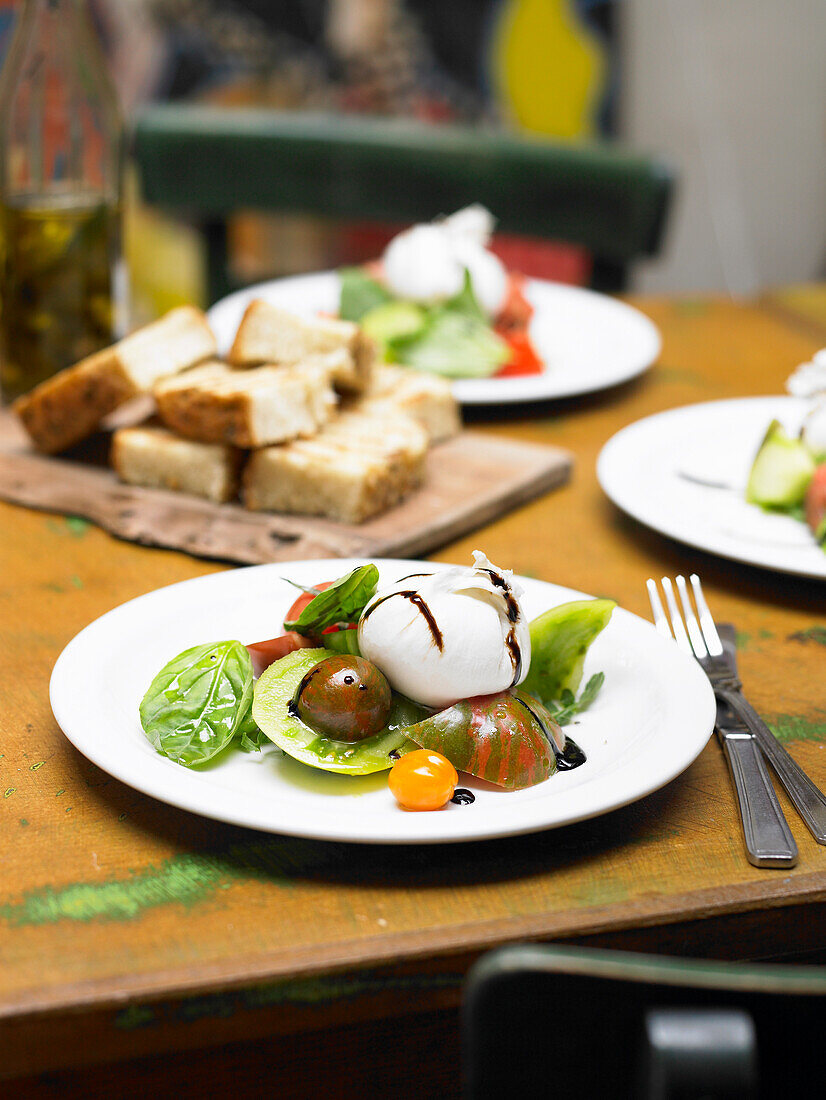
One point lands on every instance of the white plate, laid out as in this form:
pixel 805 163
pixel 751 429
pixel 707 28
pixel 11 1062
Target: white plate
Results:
pixel 684 473
pixel 651 719
pixel 586 340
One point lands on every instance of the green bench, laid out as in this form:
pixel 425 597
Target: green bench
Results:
pixel 206 163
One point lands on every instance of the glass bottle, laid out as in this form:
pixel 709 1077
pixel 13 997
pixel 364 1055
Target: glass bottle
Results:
pixel 61 145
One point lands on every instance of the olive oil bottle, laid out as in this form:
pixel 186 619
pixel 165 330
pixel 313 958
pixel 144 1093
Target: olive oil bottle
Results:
pixel 62 292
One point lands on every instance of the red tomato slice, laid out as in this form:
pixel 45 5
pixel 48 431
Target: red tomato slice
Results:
pixel 523 360
pixel 303 600
pixel 816 499
pixel 263 654
pixel 516 313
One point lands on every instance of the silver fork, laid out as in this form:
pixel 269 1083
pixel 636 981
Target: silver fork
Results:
pixel 721 666
pixel 769 842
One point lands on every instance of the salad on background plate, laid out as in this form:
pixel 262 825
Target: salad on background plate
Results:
pixel 788 475
pixel 441 301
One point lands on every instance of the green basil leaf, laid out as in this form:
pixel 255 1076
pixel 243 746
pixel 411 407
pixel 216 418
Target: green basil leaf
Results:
pixel 196 703
pixel 570 706
pixel 342 641
pixel 250 737
pixel 342 602
pixel 359 294
pixel 466 301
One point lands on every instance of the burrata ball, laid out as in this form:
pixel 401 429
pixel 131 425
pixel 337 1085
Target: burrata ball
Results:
pixel 448 635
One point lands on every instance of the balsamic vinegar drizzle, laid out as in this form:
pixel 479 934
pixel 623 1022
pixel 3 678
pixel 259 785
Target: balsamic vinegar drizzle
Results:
pixel 420 605
pixel 463 797
pixel 512 605
pixel 513 617
pixel 571 756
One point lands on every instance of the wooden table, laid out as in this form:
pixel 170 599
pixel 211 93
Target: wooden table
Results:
pixel 137 934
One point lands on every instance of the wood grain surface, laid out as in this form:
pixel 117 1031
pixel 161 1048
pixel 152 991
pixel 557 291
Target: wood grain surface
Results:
pixel 130 929
pixel 469 480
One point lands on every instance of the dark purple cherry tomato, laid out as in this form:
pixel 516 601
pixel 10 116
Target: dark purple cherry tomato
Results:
pixel 344 697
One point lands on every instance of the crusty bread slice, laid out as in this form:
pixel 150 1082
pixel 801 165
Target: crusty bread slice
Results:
pixel 356 467
pixel 66 408
pixel 268 334
pixel 152 456
pixel 427 398
pixel 248 408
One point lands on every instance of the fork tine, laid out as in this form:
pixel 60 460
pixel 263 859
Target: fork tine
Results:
pixel 715 646
pixel 660 617
pixel 680 636
pixel 693 627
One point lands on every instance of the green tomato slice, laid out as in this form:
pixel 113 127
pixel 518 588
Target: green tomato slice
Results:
pixel 271 700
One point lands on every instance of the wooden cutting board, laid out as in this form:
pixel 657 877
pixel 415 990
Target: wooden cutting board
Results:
pixel 470 480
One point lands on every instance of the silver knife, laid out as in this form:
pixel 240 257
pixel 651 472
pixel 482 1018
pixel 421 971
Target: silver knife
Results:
pixel 807 798
pixel 769 842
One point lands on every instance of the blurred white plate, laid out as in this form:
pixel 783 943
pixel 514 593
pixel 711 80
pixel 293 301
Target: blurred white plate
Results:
pixel 651 719
pixel 684 473
pixel 587 341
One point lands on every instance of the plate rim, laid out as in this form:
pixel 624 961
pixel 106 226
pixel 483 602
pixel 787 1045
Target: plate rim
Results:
pixel 616 444
pixel 63 672
pixel 467 391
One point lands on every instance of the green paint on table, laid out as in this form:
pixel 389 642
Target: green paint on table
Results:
pixel 307 991
pixel 797 727
pixel 77 525
pixel 76 581
pixel 815 634
pixel 679 375
pixel 185 880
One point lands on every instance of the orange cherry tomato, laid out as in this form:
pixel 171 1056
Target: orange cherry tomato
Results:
pixel 423 780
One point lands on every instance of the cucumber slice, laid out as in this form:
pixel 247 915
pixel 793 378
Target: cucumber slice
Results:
pixel 393 320
pixel 781 472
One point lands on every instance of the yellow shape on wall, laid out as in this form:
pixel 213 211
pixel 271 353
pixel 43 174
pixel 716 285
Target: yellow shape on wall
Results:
pixel 548 68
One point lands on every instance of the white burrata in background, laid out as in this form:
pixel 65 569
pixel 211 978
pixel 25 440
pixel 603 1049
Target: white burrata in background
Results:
pixel 427 262
pixel 809 379
pixel 449 635
pixel 814 431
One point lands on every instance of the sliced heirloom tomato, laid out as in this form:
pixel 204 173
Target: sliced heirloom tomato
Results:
pixel 508 738
pixel 276 716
